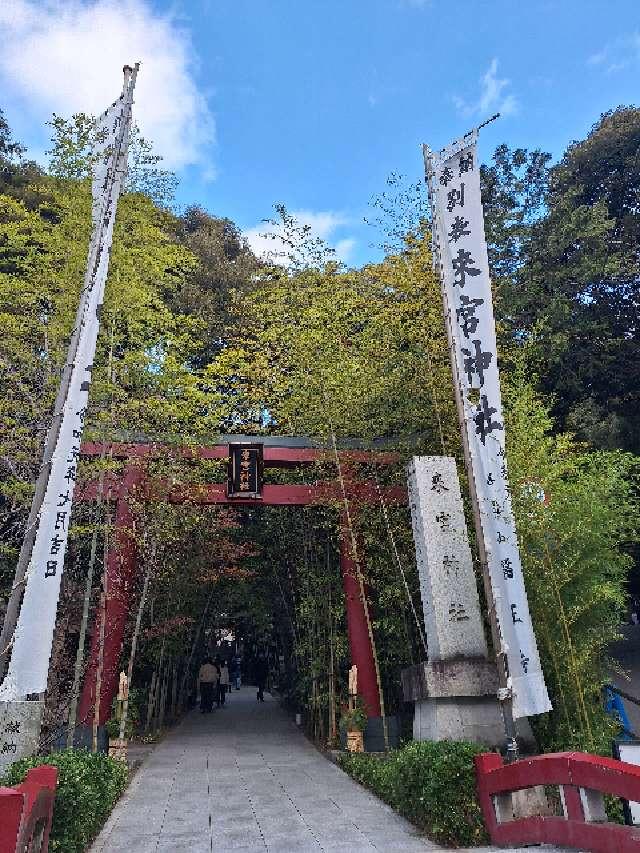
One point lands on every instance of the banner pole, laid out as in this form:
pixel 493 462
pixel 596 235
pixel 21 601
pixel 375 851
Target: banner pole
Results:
pixel 504 692
pixel 62 397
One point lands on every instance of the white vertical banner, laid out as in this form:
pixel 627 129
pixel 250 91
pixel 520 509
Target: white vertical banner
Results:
pixel 460 252
pixel 33 638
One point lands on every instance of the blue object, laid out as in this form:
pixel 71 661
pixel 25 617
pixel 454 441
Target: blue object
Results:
pixel 614 706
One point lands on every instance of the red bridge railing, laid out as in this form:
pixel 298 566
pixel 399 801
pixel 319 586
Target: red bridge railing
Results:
pixel 582 780
pixel 26 812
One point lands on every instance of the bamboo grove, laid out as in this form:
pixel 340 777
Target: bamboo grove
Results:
pixel 201 338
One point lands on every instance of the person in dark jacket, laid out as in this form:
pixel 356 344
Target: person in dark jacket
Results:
pixel 262 674
pixel 235 671
pixel 208 677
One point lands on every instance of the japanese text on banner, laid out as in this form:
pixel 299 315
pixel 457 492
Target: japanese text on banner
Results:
pixel 461 253
pixel 31 651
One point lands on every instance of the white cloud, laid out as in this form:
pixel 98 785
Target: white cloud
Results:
pixel 618 54
pixel 66 56
pixel 322 224
pixel 597 58
pixel 344 248
pixel 493 97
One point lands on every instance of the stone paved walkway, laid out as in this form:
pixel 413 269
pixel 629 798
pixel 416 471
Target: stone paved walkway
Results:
pixel 245 779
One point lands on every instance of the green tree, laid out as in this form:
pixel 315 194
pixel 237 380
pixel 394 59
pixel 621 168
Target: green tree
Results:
pixel 564 248
pixel 16 174
pixel 587 273
pixel 225 270
pixel 573 546
pixel 514 190
pixel 70 158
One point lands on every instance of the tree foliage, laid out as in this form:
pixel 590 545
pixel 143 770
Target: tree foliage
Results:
pixel 565 243
pixel 575 546
pixel 199 338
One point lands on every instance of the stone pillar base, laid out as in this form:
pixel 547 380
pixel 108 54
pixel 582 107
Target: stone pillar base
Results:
pixel 473 718
pixel 374 734
pixel 456 700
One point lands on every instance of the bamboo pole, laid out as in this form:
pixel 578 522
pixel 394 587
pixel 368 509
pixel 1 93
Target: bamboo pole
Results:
pixel 15 596
pixel 363 595
pixel 196 638
pixel 163 695
pixel 333 728
pixel 103 617
pixel 77 673
pixel 150 701
pixel 159 687
pixel 134 646
pixel 174 693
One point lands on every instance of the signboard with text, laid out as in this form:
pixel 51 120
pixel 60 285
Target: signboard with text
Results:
pixel 245 471
pixel 19 731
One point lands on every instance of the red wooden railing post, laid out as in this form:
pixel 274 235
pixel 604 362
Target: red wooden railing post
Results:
pixel 582 780
pixel 571 803
pixel 11 807
pixel 484 764
pixel 26 812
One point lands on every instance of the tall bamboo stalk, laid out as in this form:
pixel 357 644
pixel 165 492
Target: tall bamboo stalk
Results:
pixel 363 595
pixel 150 701
pixel 163 694
pixel 194 645
pixel 77 672
pixel 134 646
pixel 174 692
pixel 159 687
pixel 333 728
pixel 103 617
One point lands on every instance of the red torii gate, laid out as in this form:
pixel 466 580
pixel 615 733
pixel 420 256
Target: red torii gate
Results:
pixel 121 563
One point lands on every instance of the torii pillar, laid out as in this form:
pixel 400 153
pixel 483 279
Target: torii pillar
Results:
pixel 120 575
pixel 357 628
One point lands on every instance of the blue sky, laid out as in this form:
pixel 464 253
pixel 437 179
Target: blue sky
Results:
pixel 315 102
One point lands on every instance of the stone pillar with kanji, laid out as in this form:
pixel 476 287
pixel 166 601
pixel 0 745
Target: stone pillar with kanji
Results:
pixel 455 690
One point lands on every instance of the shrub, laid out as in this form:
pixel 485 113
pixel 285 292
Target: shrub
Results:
pixel 354 719
pixel 88 786
pixel 431 784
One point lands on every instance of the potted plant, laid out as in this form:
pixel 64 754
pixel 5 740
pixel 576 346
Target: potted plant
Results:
pixel 354 721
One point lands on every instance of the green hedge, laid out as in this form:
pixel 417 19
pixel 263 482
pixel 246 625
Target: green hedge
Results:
pixel 88 786
pixel 431 784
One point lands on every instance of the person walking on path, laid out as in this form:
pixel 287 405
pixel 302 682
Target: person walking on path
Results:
pixel 224 681
pixel 262 674
pixel 235 670
pixel 218 664
pixel 208 678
